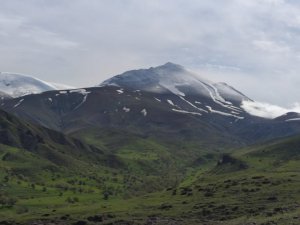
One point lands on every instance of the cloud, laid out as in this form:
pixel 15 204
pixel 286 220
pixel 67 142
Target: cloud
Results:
pixel 16 28
pixel 270 46
pixel 267 110
pixel 47 38
pixel 253 45
pixel 9 24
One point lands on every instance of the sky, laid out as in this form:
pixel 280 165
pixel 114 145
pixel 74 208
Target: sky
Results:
pixel 254 45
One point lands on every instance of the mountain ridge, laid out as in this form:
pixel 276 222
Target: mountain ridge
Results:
pixel 169 77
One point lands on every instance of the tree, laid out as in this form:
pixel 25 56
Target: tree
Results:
pixel 105 195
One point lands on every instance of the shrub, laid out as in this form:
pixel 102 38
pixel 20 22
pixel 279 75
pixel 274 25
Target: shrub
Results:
pixel 7 201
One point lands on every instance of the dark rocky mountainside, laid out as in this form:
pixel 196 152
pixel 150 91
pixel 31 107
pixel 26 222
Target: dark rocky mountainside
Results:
pixel 166 101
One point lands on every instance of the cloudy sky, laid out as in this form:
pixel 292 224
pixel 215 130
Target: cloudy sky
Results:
pixel 251 44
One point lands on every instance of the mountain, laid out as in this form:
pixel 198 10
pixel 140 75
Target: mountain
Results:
pixel 113 118
pixel 173 78
pixel 147 94
pixel 152 146
pixel 166 102
pixel 17 85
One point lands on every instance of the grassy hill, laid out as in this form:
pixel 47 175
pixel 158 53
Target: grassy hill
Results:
pixel 141 180
pixel 44 173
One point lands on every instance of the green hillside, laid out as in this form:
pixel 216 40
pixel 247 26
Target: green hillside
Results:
pixel 139 180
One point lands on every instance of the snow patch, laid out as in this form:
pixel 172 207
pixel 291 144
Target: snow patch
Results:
pixel 216 97
pixel 19 103
pixel 126 109
pixel 144 112
pixel 85 94
pixel 80 91
pixel 192 104
pixel 170 102
pixel 294 119
pixel 157 99
pixel 186 112
pixel 233 112
pixel 120 91
pixel 224 113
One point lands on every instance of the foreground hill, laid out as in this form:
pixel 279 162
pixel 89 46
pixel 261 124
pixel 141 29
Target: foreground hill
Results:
pixel 253 185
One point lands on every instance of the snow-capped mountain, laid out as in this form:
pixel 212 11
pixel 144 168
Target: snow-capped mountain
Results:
pixel 174 78
pixel 167 99
pixel 199 92
pixel 16 85
pixel 189 92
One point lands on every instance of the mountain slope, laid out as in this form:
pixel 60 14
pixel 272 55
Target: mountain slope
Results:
pixel 137 112
pixel 254 185
pixel 52 145
pixel 16 85
pixel 167 101
pixel 169 87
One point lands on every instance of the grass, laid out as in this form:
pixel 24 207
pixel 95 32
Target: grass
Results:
pixel 139 178
pixel 261 193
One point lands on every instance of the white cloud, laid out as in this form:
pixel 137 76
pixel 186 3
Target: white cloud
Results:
pixel 274 1
pixel 9 24
pixel 17 28
pixel 271 46
pixel 267 110
pixel 47 38
pixel 253 45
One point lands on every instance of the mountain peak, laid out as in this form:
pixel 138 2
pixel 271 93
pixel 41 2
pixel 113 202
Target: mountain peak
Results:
pixel 170 66
pixel 17 85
